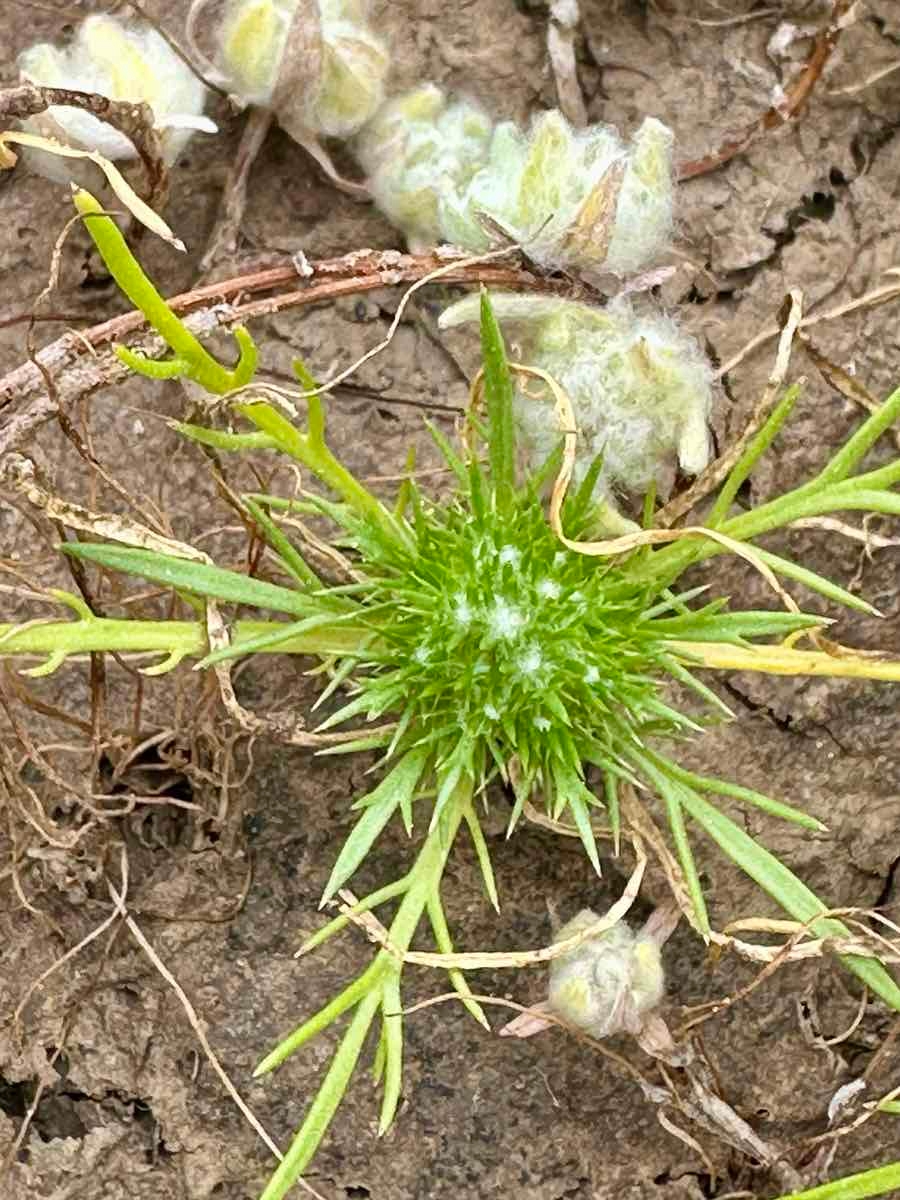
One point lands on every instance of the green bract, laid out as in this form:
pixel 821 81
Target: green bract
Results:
pixel 487 650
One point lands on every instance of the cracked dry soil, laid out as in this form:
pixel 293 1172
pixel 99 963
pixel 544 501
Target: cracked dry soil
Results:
pixel 128 1107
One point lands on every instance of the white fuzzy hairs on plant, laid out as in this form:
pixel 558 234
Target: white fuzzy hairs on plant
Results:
pixel 609 982
pixel 345 64
pixel 419 153
pixel 122 62
pixel 573 199
pixel 641 389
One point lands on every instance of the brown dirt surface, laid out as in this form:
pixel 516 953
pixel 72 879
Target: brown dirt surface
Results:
pixel 127 1105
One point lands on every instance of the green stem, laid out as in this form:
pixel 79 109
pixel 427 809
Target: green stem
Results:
pixel 310 450
pixel 382 977
pixel 195 361
pixel 180 639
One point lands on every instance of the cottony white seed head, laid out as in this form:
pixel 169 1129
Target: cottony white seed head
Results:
pixel 509 555
pixel 337 65
pixel 609 982
pixel 548 589
pixel 579 199
pixel 419 152
pixel 640 388
pixel 122 62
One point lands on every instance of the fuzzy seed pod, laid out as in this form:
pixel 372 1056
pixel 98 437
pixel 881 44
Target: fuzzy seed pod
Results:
pixel 315 63
pixel 608 983
pixel 641 389
pixel 131 63
pixel 419 154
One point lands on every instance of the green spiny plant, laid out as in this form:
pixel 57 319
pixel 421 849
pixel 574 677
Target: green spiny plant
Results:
pixel 485 649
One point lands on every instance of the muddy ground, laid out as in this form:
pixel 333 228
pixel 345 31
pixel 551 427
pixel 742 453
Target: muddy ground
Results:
pixel 128 1106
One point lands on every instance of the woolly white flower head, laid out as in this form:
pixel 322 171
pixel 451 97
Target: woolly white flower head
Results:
pixel 610 981
pixel 337 82
pixel 131 63
pixel 641 389
pixel 419 153
pixel 575 199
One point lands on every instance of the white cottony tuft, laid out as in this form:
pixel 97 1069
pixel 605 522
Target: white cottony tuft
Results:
pixel 531 661
pixel 505 620
pixel 462 611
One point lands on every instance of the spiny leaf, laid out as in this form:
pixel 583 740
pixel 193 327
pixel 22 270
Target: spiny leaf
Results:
pixel 783 886
pixel 483 855
pixel 381 804
pixel 306 1141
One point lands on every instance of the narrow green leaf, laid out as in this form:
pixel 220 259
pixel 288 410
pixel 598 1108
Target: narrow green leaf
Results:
pixel 219 439
pixel 784 887
pixel 454 462
pixel 684 676
pixel 380 1057
pixel 364 985
pixel 672 795
pixel 546 472
pixel 576 509
pixel 743 468
pixel 306 1140
pixel 854 1187
pixel 200 578
pixel 450 773
pixel 315 404
pixel 265 641
pixel 890 1106
pixel 708 783
pixel 389 892
pixel 611 790
pixel 291 558
pixel 498 394
pixel 815 582
pixel 402 779
pixel 677 601
pixel 392 1016
pixel 856 448
pixel 483 855
pixel 444 943
pixel 582 819
pixel 733 626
